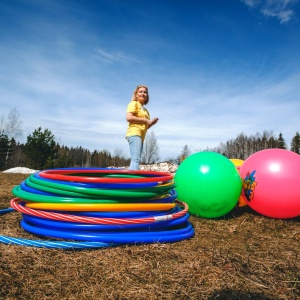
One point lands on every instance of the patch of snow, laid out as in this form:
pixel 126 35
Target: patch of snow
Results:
pixel 158 167
pixel 20 170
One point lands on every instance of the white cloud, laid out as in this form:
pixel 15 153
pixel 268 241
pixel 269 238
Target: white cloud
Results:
pixel 284 15
pixel 280 9
pixel 251 3
pixel 116 56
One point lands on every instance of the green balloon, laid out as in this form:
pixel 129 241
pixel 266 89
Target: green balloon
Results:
pixel 209 183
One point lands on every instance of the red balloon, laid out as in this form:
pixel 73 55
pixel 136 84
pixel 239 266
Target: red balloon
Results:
pixel 271 183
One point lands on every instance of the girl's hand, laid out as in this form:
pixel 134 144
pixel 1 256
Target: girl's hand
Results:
pixel 152 122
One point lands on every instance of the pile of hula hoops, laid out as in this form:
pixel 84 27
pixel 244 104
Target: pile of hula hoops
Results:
pixel 98 207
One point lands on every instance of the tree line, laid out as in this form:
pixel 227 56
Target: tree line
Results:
pixel 41 151
pixel 243 146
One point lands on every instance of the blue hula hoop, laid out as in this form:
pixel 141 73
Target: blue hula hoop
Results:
pixel 46 223
pixel 114 238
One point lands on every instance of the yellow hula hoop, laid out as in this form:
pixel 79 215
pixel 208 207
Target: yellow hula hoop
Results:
pixel 101 207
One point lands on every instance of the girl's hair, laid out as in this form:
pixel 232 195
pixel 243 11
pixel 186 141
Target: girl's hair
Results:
pixel 133 98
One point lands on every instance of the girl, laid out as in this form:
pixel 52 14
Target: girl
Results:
pixel 139 122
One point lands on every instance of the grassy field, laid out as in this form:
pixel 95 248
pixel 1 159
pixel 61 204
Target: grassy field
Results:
pixel 240 256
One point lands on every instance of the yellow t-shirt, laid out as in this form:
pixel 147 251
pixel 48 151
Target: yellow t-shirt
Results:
pixel 139 111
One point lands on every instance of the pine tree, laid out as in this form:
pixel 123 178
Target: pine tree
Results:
pixel 40 149
pixel 295 144
pixel 5 150
pixel 281 142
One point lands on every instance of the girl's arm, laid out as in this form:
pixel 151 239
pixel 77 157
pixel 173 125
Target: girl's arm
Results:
pixel 130 117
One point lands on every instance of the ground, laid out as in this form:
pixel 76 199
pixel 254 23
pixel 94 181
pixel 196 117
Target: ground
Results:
pixel 242 255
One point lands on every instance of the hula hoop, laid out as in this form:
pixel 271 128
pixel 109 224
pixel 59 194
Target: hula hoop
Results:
pixel 87 193
pixel 54 244
pixel 23 187
pixel 6 210
pixel 97 191
pixel 69 176
pixel 31 187
pixel 38 197
pixel 126 215
pixel 92 220
pixel 101 207
pixel 31 190
pixel 58 187
pixel 49 244
pixel 118 238
pixel 102 185
pixel 40 222
pixel 78 245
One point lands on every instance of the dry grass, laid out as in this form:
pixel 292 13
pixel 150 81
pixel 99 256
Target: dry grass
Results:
pixel 240 256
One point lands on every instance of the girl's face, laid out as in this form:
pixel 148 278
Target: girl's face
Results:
pixel 142 95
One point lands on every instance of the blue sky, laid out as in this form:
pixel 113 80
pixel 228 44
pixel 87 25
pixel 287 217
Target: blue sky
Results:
pixel 214 69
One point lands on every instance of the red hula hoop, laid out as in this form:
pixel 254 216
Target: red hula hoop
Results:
pixel 62 175
pixel 91 220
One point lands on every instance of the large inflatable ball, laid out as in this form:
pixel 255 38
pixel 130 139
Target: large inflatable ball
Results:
pixel 209 183
pixel 271 183
pixel 238 163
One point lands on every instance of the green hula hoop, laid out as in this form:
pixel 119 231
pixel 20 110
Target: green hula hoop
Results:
pixel 141 193
pixel 56 191
pixel 18 192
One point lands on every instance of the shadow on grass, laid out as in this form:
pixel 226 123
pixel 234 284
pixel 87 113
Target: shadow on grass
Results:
pixel 239 211
pixel 228 294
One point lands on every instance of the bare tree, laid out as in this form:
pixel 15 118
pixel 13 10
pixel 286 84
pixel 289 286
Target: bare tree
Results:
pixel 13 124
pixel 185 153
pixel 243 146
pixel 11 128
pixel 150 153
pixel 117 157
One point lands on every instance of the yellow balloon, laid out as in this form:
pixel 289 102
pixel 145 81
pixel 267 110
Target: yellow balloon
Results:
pixel 238 162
